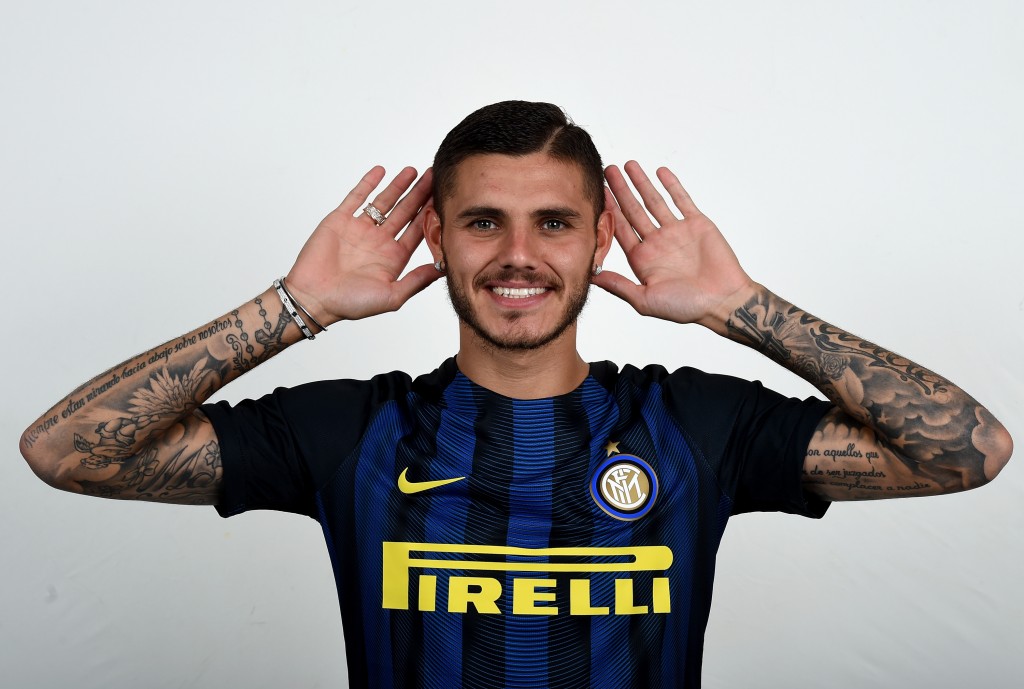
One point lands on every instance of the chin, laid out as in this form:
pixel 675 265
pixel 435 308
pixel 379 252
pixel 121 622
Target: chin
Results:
pixel 514 341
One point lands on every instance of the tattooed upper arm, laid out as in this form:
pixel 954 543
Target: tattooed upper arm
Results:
pixel 847 460
pixel 182 465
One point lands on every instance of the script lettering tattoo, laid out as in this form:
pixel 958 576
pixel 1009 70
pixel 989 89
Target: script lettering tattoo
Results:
pixel 847 479
pixel 42 428
pixel 105 382
pixel 938 435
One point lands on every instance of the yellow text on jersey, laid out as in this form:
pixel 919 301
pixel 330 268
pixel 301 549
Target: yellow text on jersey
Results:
pixel 529 595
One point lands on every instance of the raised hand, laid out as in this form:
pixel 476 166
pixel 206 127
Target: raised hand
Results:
pixel 687 271
pixel 349 268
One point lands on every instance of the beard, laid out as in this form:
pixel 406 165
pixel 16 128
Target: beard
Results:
pixel 513 340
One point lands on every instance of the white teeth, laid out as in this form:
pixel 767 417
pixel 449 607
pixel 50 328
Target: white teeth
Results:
pixel 518 292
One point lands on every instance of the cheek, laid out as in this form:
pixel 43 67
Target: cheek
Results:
pixel 576 263
pixel 458 265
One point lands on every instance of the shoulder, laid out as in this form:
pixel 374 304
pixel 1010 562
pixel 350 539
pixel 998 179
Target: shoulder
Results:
pixel 710 404
pixel 681 383
pixel 330 403
pixel 379 389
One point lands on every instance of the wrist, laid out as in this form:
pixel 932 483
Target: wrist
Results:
pixel 310 308
pixel 720 314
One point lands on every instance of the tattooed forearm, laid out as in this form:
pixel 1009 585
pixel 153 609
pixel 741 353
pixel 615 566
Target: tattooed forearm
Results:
pixel 935 434
pixel 129 367
pixel 781 331
pixel 106 427
pixel 166 398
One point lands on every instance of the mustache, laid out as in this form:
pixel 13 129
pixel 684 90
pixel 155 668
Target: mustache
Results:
pixel 530 277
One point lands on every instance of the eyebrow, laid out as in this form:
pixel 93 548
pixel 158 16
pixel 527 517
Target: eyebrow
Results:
pixel 564 212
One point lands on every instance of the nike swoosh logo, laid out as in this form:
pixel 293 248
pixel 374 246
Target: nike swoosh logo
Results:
pixel 409 487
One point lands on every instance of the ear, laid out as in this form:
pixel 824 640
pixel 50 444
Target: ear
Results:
pixel 432 231
pixel 605 232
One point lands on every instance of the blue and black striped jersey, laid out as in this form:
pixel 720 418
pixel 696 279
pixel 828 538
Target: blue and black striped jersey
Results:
pixel 483 541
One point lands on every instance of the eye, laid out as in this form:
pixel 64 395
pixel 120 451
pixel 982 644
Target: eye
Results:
pixel 554 224
pixel 483 224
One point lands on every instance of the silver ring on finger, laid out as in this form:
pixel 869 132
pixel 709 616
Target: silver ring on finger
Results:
pixel 377 217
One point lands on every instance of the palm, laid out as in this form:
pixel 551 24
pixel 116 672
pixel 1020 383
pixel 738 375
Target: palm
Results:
pixel 685 267
pixel 349 268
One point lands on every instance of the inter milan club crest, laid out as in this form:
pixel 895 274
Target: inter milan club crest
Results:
pixel 624 486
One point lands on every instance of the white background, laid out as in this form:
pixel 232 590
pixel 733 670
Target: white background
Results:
pixel 161 163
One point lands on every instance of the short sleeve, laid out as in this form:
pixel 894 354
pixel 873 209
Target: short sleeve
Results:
pixel 755 439
pixel 278 449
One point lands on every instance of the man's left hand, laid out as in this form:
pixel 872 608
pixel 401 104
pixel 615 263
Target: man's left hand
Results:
pixel 688 273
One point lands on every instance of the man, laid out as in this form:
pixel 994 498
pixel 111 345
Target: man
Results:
pixel 520 517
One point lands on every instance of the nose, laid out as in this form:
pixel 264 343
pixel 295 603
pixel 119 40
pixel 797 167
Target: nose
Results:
pixel 519 248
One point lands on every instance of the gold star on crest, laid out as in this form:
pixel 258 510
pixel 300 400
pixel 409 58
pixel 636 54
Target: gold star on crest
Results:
pixel 611 448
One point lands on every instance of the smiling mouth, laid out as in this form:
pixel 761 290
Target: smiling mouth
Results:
pixel 518 292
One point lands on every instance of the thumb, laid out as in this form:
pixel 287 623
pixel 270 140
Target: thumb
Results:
pixel 621 286
pixel 414 282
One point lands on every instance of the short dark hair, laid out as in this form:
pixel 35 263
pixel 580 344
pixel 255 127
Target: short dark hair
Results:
pixel 518 128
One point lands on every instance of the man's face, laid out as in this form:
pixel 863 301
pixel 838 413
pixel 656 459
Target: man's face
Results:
pixel 519 242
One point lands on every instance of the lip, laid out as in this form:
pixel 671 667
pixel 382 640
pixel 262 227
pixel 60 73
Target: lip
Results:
pixel 518 302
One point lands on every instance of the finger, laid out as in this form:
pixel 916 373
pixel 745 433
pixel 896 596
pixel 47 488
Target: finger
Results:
pixel 653 199
pixel 357 197
pixel 386 200
pixel 624 232
pixel 631 208
pixel 413 234
pixel 621 286
pixel 411 203
pixel 680 197
pixel 414 282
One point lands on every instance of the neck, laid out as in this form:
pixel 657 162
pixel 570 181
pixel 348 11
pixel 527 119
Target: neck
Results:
pixel 554 369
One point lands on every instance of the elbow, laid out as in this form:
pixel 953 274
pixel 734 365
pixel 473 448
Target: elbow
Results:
pixel 992 443
pixel 40 468
pixel 997 449
pixel 44 466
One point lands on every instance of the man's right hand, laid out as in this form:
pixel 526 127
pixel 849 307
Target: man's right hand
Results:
pixel 349 268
